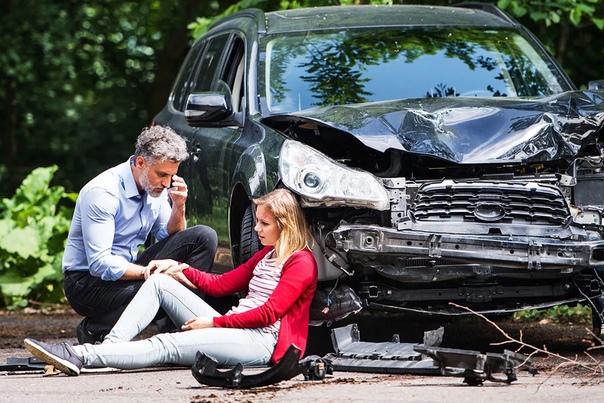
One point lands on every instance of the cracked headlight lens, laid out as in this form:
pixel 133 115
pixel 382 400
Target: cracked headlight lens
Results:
pixel 323 181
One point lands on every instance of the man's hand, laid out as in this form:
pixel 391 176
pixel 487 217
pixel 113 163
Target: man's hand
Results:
pixel 198 323
pixel 169 267
pixel 163 266
pixel 178 192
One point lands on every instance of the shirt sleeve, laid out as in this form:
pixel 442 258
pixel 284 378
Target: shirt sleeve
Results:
pixel 228 283
pixel 297 276
pixel 160 227
pixel 99 209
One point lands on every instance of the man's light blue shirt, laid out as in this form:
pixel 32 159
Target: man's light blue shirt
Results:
pixel 111 220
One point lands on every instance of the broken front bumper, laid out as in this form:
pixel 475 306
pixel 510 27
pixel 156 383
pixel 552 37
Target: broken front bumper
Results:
pixel 518 252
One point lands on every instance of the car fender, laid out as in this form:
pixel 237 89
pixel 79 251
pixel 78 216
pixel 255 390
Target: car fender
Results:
pixel 258 165
pixel 250 171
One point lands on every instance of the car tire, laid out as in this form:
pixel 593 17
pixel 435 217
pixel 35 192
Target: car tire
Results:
pixel 249 243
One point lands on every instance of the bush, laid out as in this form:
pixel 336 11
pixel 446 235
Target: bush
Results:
pixel 578 313
pixel 34 225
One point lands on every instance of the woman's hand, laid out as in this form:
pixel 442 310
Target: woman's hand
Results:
pixel 198 323
pixel 169 267
pixel 160 266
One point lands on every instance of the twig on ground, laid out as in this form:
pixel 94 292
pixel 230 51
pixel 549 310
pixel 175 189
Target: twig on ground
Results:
pixel 597 338
pixel 597 368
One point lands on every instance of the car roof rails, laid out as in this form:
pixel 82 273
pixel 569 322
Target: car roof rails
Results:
pixel 254 13
pixel 488 8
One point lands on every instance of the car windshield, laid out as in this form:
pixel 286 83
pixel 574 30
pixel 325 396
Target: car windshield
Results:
pixel 308 69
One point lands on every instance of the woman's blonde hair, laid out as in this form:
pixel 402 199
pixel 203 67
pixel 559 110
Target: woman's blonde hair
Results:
pixel 294 232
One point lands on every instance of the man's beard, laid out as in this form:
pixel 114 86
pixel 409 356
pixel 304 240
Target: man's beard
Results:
pixel 146 184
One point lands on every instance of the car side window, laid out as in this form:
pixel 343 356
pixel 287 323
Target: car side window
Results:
pixel 233 70
pixel 238 88
pixel 210 61
pixel 183 82
pixel 223 61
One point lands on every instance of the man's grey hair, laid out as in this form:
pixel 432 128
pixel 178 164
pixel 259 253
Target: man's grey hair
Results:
pixel 159 144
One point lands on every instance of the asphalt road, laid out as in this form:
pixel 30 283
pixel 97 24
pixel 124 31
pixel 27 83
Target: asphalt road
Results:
pixel 178 385
pixel 551 384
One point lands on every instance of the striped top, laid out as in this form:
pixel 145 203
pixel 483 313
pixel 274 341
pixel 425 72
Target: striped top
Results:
pixel 263 283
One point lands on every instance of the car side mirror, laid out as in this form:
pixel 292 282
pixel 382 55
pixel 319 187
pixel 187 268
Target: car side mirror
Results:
pixel 214 109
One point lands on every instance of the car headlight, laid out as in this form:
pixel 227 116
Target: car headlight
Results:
pixel 323 181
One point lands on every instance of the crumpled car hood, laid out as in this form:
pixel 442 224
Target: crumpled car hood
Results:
pixel 470 130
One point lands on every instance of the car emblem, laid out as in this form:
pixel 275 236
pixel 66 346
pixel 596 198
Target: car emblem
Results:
pixel 489 211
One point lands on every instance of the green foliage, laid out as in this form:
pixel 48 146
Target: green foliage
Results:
pixel 554 12
pixel 569 29
pixel 78 80
pixel 202 24
pixel 561 313
pixel 34 225
pixel 215 219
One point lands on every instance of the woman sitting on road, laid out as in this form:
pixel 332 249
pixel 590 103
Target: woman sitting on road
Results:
pixel 280 281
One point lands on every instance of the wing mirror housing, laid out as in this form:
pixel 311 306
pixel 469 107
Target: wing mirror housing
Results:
pixel 212 109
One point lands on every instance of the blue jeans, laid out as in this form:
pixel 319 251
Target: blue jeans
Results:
pixel 227 346
pixel 102 302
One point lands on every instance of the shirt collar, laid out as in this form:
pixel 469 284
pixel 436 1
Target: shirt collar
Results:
pixel 128 182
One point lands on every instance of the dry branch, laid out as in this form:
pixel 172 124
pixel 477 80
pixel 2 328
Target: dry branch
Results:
pixel 594 366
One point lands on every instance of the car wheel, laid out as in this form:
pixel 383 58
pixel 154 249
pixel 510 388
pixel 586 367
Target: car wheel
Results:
pixel 249 243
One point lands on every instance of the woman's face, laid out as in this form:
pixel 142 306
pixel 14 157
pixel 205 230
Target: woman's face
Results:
pixel 266 226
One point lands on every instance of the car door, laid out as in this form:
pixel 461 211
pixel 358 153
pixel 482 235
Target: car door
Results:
pixel 212 156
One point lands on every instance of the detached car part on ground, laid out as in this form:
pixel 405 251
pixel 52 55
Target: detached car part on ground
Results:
pixel 440 153
pixel 352 354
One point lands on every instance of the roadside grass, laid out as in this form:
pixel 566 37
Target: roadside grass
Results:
pixel 578 314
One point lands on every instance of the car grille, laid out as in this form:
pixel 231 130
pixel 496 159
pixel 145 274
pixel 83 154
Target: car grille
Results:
pixel 534 203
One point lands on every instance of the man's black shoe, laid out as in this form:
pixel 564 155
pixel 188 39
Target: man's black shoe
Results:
pixel 86 336
pixel 61 355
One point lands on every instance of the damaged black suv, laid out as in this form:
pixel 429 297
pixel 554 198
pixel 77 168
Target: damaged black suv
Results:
pixel 440 154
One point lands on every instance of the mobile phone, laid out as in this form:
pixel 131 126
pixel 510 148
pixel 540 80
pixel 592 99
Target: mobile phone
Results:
pixel 172 186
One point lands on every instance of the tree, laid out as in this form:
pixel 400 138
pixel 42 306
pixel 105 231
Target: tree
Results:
pixel 556 22
pixel 81 79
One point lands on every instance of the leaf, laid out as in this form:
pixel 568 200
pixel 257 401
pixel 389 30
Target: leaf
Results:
pixel 575 16
pixel 554 17
pixel 586 8
pixel 503 4
pixel 23 241
pixel 45 272
pixel 12 286
pixel 520 11
pixel 16 290
pixel 538 16
pixel 36 183
pixel 6 226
